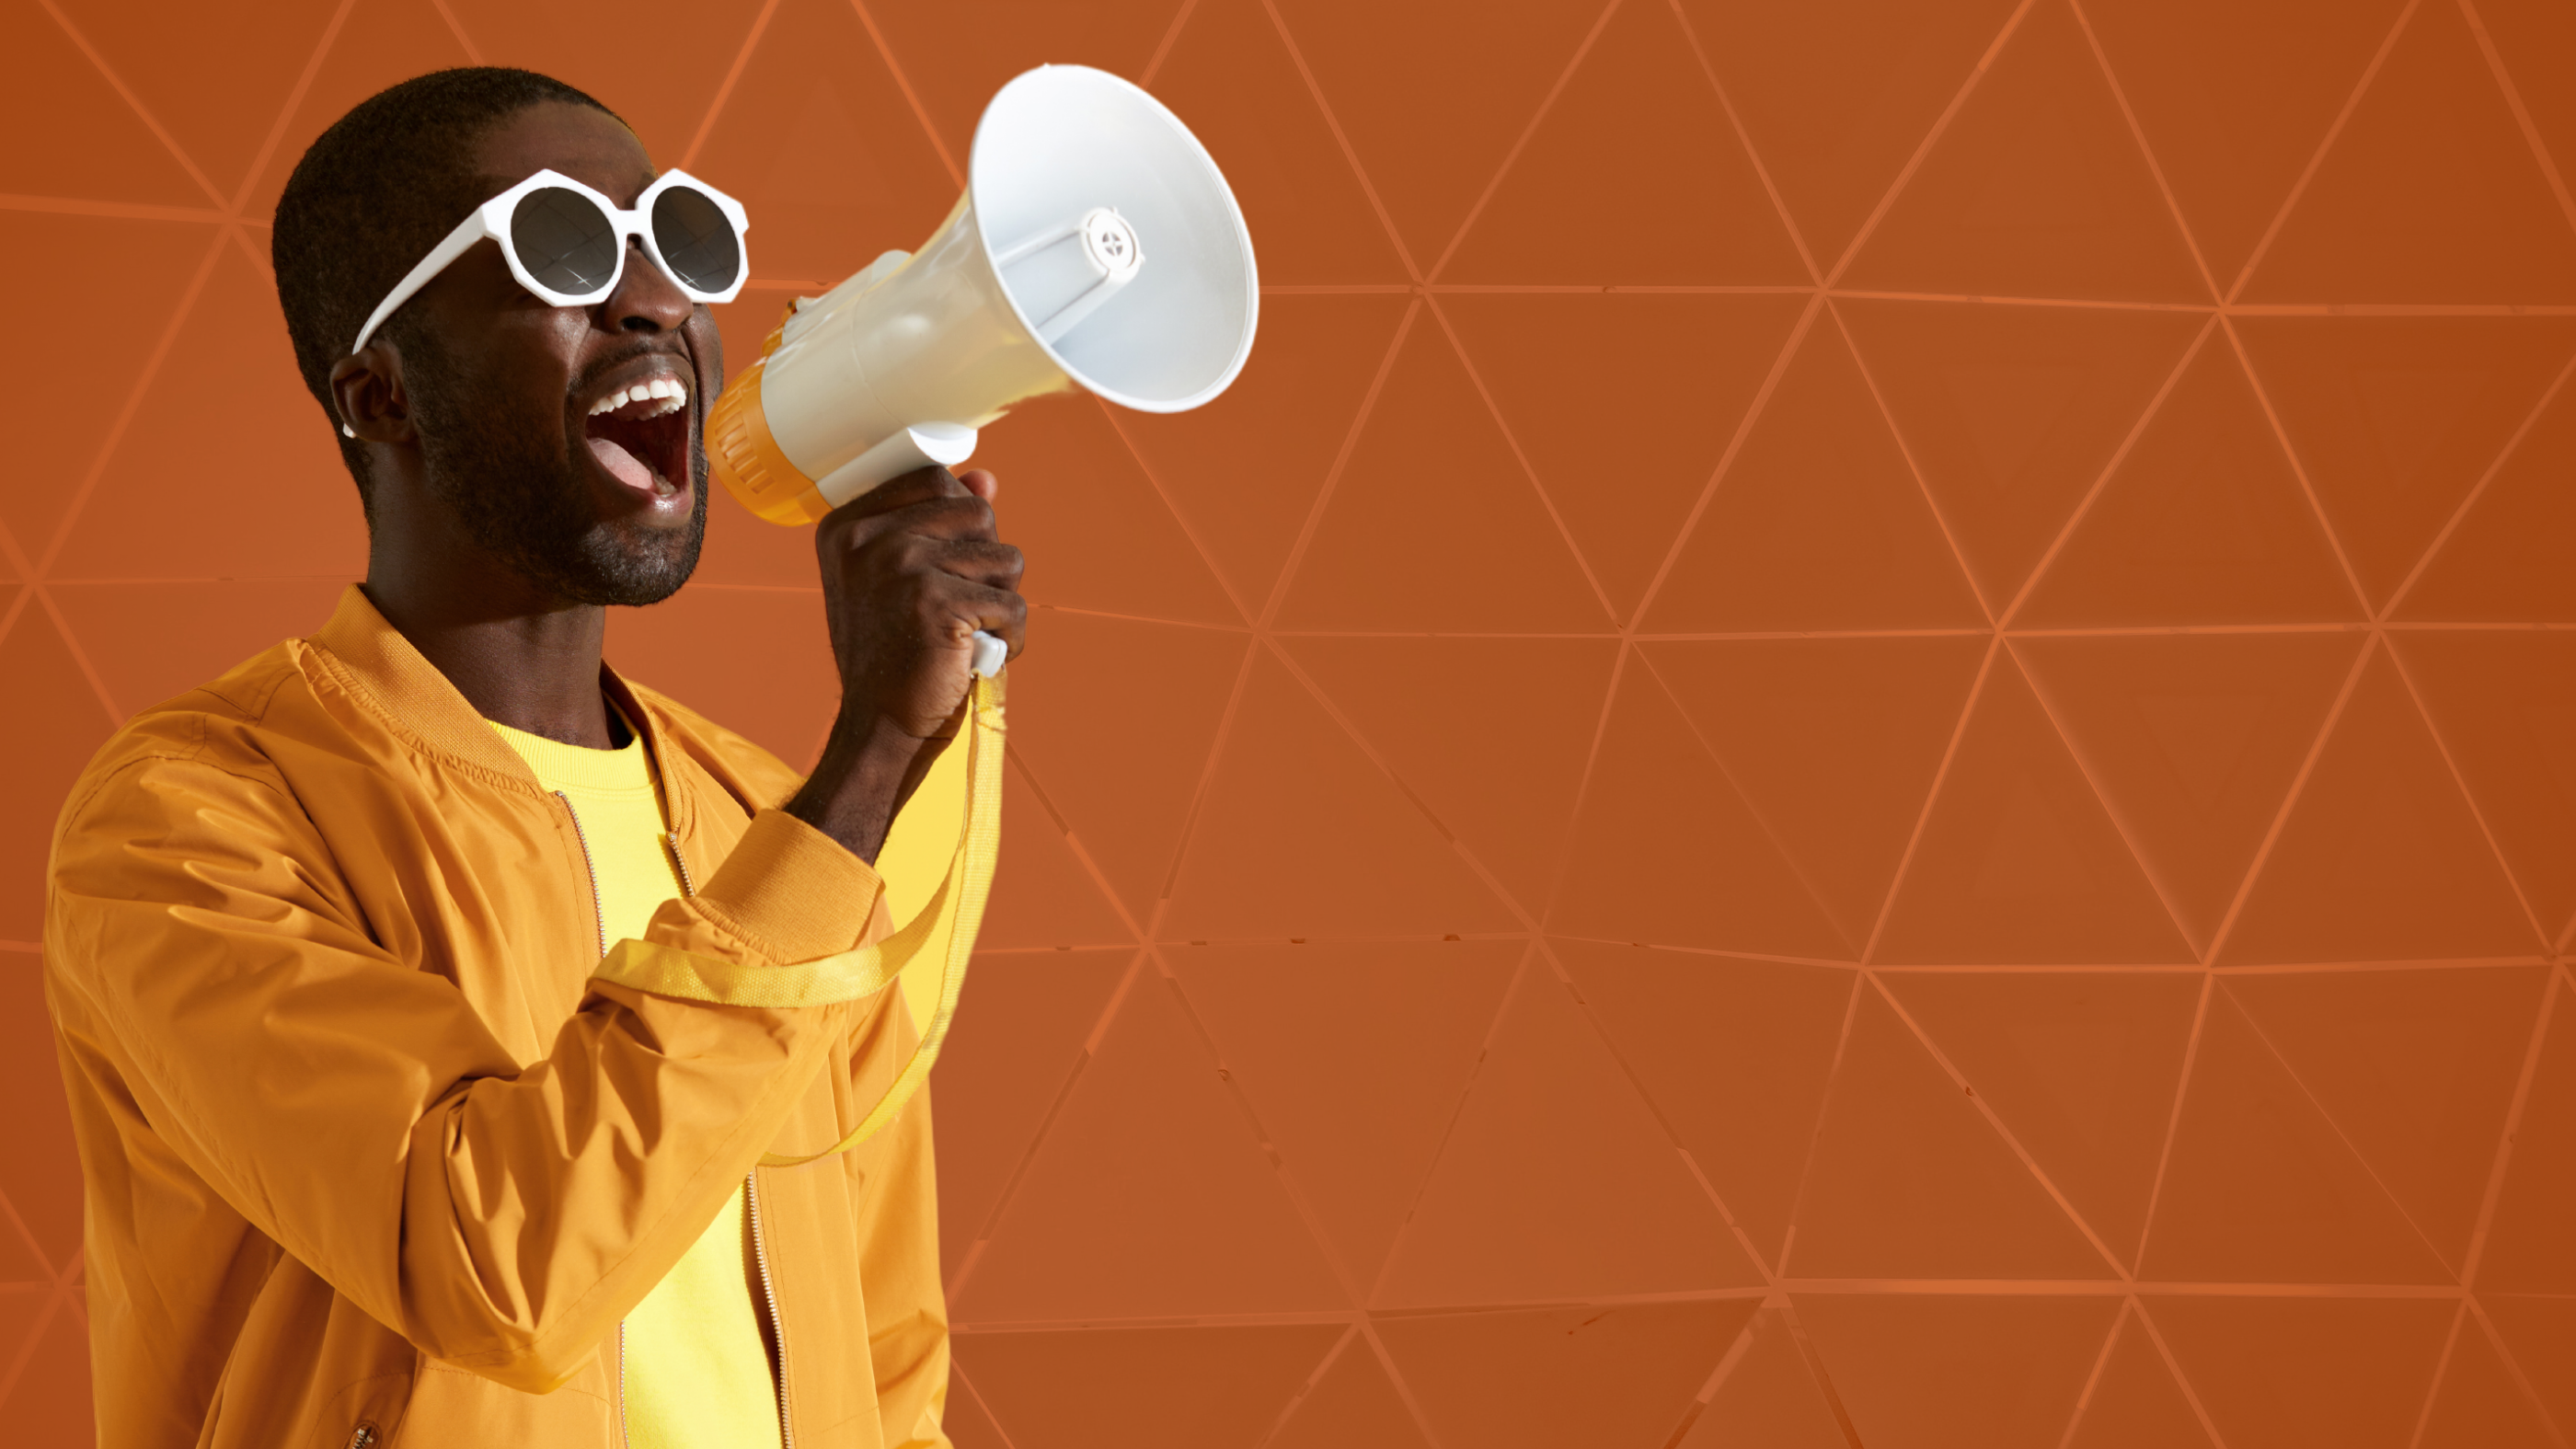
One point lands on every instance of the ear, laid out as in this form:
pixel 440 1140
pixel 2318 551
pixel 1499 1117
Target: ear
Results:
pixel 367 391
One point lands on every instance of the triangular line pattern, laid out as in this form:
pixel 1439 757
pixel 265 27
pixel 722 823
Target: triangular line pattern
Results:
pixel 1540 115
pixel 2333 132
pixel 30 613
pixel 2128 113
pixel 2559 986
pixel 2433 550
pixel 2521 112
pixel 1930 138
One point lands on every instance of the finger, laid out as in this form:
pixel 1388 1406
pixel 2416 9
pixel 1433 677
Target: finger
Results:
pixel 903 491
pixel 981 483
pixel 937 519
pixel 994 565
pixel 987 610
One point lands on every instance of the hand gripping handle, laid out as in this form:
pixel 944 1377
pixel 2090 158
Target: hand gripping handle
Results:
pixel 918 446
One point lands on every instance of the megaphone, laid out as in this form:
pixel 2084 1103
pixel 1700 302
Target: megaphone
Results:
pixel 1096 246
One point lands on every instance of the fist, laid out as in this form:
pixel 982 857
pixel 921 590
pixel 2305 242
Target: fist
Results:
pixel 911 570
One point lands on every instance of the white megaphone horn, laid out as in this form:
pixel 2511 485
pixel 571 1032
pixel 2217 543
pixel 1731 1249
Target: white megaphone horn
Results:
pixel 1096 245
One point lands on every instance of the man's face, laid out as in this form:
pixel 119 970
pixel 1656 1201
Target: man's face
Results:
pixel 600 505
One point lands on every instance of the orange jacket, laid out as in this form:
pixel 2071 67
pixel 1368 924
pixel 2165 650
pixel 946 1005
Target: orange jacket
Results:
pixel 379 1150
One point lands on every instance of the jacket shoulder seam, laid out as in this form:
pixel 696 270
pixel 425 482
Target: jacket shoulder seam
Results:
pixel 195 755
pixel 254 710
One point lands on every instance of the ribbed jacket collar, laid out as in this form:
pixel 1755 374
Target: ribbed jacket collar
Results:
pixel 419 701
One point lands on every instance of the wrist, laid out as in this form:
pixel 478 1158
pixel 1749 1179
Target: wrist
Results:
pixel 869 767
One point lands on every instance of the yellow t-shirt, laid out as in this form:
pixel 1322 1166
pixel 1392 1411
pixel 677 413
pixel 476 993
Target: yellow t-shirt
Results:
pixel 694 1360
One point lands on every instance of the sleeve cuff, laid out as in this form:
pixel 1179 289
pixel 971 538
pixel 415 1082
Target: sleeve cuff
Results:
pixel 789 920
pixel 666 971
pixel 793 893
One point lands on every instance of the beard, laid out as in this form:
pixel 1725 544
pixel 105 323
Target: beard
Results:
pixel 532 506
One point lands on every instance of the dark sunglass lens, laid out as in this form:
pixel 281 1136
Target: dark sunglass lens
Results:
pixel 564 240
pixel 697 239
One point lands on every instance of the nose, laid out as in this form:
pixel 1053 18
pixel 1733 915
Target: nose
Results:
pixel 646 299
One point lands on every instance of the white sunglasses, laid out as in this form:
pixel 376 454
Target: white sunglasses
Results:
pixel 567 243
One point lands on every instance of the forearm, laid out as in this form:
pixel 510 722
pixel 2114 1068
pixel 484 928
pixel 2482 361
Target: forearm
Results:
pixel 869 769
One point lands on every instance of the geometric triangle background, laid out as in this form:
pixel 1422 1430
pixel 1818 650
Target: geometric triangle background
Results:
pixel 2134 1398
pixel 1858 732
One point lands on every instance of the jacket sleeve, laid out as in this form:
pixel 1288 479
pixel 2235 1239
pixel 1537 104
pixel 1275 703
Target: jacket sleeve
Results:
pixel 357 1111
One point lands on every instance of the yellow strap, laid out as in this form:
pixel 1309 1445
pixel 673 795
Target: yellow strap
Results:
pixel 970 873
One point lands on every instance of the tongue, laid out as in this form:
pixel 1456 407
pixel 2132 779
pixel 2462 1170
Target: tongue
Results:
pixel 622 465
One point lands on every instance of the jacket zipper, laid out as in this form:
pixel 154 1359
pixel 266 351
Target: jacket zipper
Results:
pixel 751 1205
pixel 598 924
pixel 623 1436
pixel 365 1436
pixel 769 1295
pixel 679 863
pixel 599 927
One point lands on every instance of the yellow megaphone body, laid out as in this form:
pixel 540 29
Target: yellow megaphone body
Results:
pixel 1096 246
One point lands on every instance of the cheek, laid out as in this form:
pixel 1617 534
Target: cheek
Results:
pixel 528 373
pixel 707 345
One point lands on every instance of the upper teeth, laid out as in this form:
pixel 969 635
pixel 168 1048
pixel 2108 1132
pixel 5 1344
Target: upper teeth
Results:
pixel 673 393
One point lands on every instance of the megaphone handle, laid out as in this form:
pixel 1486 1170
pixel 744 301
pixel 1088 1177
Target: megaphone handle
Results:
pixel 990 651
pixel 918 446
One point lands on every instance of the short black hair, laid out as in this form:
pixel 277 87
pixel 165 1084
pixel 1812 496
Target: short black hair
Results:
pixel 372 195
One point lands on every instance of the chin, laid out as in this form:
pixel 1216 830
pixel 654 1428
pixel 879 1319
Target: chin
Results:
pixel 628 562
pixel 642 571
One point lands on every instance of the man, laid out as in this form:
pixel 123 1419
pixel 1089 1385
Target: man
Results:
pixel 427 993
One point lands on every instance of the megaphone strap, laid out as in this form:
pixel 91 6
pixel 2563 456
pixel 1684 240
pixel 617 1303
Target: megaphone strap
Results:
pixel 970 876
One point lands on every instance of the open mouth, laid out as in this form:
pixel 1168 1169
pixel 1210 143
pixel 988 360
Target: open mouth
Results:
pixel 640 434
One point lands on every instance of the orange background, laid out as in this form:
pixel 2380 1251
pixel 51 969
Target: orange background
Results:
pixel 1862 730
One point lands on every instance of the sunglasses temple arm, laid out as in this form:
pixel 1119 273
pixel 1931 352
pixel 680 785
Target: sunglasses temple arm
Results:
pixel 469 231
